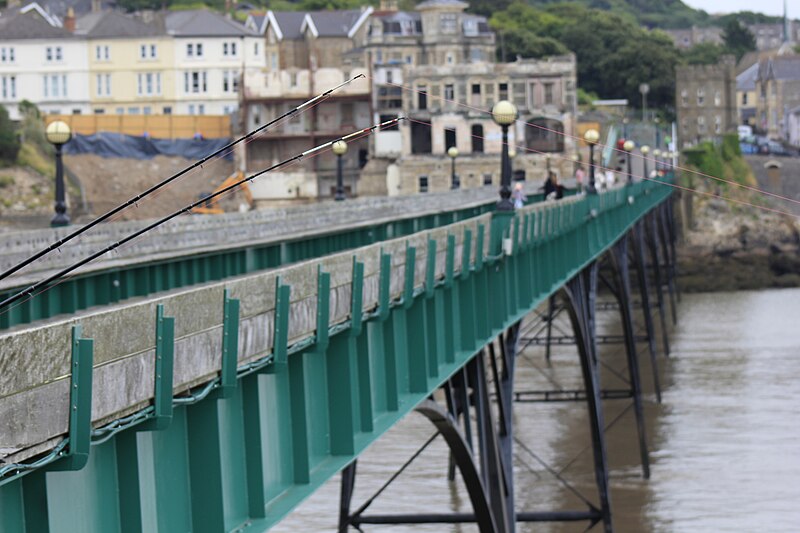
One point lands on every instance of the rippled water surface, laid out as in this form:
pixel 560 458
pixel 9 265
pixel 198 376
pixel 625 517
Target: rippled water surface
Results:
pixel 724 444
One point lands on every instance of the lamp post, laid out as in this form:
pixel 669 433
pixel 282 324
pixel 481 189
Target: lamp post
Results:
pixel 645 150
pixel 591 137
pixel 504 113
pixel 657 155
pixel 58 134
pixel 453 153
pixel 625 128
pixel 339 148
pixel 628 147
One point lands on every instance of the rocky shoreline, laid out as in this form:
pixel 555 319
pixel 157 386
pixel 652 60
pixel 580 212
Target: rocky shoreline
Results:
pixel 725 247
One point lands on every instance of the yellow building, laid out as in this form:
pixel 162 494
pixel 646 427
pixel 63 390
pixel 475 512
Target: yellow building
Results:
pixel 131 65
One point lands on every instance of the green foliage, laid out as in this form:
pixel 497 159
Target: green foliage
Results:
pixel 585 98
pixel 9 141
pixel 649 13
pixel 5 181
pixel 31 157
pixel 746 17
pixel 704 54
pixel 738 39
pixel 723 160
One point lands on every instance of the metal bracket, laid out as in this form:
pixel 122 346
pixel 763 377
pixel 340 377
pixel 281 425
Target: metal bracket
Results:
pixel 356 298
pixel 430 271
pixel 164 364
pixel 280 343
pixel 385 288
pixel 230 346
pixel 323 309
pixel 411 265
pixel 80 404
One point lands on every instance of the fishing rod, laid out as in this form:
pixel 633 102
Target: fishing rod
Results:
pixel 30 291
pixel 170 179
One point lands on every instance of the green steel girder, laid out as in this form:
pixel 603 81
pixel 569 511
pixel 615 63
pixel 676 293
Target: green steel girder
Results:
pixel 242 460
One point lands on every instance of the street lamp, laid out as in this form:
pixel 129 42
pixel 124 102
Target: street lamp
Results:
pixel 628 147
pixel 645 150
pixel 504 113
pixel 58 134
pixel 591 136
pixel 339 148
pixel 453 153
pixel 657 155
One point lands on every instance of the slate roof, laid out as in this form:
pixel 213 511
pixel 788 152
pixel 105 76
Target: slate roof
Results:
pixel 334 23
pixel 111 25
pixel 746 81
pixel 29 25
pixel 780 68
pixel 203 23
pixel 289 23
pixel 442 3
pixel 80 7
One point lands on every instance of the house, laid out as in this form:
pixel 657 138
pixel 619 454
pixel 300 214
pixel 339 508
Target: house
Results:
pixel 307 53
pixel 131 64
pixel 746 95
pixel 778 91
pixel 706 100
pixel 41 62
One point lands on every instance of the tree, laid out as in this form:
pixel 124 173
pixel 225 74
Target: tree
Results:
pixel 9 142
pixel 704 54
pixel 738 39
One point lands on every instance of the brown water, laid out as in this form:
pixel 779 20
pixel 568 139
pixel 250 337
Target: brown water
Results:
pixel 724 444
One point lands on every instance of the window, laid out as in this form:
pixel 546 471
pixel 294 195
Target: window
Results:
pixel 293 79
pixel 717 124
pixel 548 94
pixel 147 110
pixel 7 55
pixel 379 57
pixel 167 110
pixel 9 87
pixel 191 109
pixel 147 51
pixel 487 179
pixel 346 115
pixel 46 87
pixel 744 98
pixel 476 55
pixel 701 96
pixel 99 111
pixel 201 109
pixel 476 88
pixel 230 81
pixel 53 53
pixel 701 124
pixel 255 49
pixel 101 52
pixel 422 97
pixel 148 83
pixel 274 60
pixel 717 98
pixel 48 53
pixel 195 82
pixel 229 48
pixel 448 92
pixel 102 83
pixel 448 23
pixel 449 59
pixel 409 60
pixel 388 76
pixel 477 139
pixel 120 111
pixel 684 97
pixel 423 184
pixel 503 91
pixel 194 49
pixel 133 110
pixel 449 137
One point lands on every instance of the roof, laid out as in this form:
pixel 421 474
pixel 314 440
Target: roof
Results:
pixel 287 23
pixel 203 23
pixel 746 81
pixel 256 22
pixel 780 68
pixel 58 8
pixel 290 25
pixel 19 23
pixel 335 23
pixel 111 25
pixel 430 4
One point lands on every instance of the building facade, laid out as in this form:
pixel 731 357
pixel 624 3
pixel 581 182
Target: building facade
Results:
pixel 778 93
pixel 307 54
pixel 41 62
pixel 706 101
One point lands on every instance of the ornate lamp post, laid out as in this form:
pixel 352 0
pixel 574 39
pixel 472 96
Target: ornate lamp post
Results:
pixel 645 150
pixel 628 147
pixel 657 155
pixel 504 114
pixel 591 137
pixel 58 134
pixel 339 148
pixel 452 152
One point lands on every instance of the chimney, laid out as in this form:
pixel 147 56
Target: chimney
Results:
pixel 97 6
pixel 388 5
pixel 69 20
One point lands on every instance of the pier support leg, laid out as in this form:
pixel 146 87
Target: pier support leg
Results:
pixel 619 258
pixel 579 298
pixel 644 290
